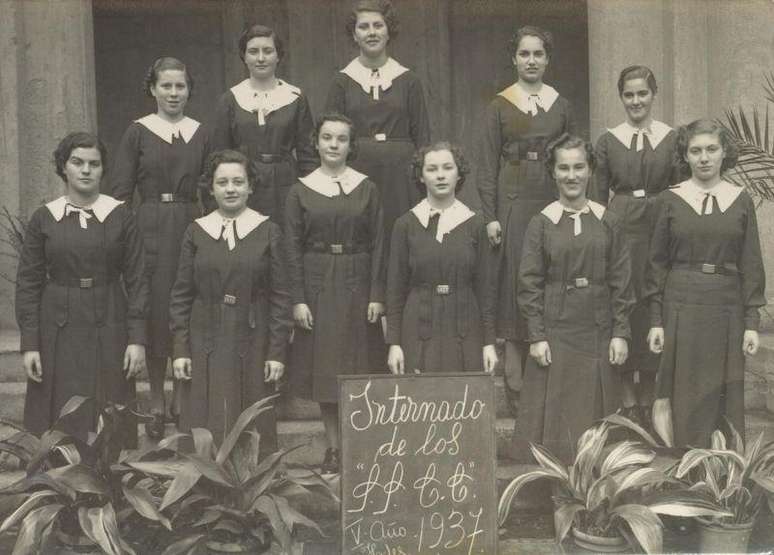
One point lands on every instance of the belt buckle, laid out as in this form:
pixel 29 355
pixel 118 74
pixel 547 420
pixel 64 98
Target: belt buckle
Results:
pixel 639 193
pixel 266 158
pixel 708 269
pixel 380 137
pixel 337 249
pixel 86 283
pixel 167 197
pixel 229 300
pixel 532 155
pixel 442 289
pixel 581 283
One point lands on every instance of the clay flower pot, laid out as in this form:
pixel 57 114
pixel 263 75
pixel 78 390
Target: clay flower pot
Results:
pixel 599 544
pixel 725 538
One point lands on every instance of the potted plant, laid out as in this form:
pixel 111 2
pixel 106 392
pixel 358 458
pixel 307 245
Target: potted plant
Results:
pixel 226 497
pixel 72 491
pixel 606 496
pixel 738 477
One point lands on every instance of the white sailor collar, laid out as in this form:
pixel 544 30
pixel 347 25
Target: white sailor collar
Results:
pixel 655 132
pixel 449 219
pixel 724 192
pixel 326 184
pixel 269 101
pixel 516 95
pixel 101 207
pixel 555 210
pixel 364 77
pixel 246 222
pixel 166 130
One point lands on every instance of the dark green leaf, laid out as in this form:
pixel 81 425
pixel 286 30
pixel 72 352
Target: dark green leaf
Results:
pixel 293 517
pixel 186 478
pixel 160 468
pixel 247 416
pixel 266 506
pixel 33 528
pixel 79 477
pixel 202 438
pixel 232 526
pixel 211 470
pixel 645 525
pixel 32 501
pixel 72 405
pixel 185 545
pixel 99 524
pixel 142 501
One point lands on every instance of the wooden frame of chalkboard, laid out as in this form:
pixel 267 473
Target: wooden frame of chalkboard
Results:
pixel 418 459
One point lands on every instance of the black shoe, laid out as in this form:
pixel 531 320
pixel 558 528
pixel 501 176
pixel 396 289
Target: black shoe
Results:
pixel 154 428
pixel 632 413
pixel 331 462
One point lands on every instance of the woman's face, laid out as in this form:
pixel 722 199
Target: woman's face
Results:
pixel 705 156
pixel 531 59
pixel 334 143
pixel 261 57
pixel 637 99
pixel 231 188
pixel 83 170
pixel 171 92
pixel 371 33
pixel 440 174
pixel 572 173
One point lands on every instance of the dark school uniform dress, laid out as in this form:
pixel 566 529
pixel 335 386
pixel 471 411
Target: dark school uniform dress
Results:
pixel 440 299
pixel 390 116
pixel 334 237
pixel 272 128
pixel 574 292
pixel 705 283
pixel 230 313
pixel 162 162
pixel 81 298
pixel 513 182
pixel 636 167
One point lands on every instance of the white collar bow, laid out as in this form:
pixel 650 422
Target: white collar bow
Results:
pixel 166 131
pixel 556 209
pixel 529 102
pixel 101 208
pixel 700 199
pixel 263 103
pixel 329 186
pixel 655 132
pixel 372 81
pixel 449 219
pixel 217 227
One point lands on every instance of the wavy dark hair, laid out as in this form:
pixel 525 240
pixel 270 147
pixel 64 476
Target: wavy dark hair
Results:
pixel 384 7
pixel 418 162
pixel 260 31
pixel 341 118
pixel 566 141
pixel 531 31
pixel 226 157
pixel 705 127
pixel 637 72
pixel 76 139
pixel 162 64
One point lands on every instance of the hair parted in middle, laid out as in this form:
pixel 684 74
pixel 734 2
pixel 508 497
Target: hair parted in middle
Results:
pixel 226 157
pixel 384 7
pixel 256 31
pixel 418 162
pixel 531 31
pixel 705 127
pixel 565 141
pixel 341 118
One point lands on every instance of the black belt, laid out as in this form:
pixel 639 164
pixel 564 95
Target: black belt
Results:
pixel 165 198
pixel 267 158
pixel 83 282
pixel 704 268
pixel 337 248
pixel 636 193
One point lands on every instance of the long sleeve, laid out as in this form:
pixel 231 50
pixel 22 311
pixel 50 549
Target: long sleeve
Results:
pixel 306 155
pixel 294 242
pixel 600 185
pixel 532 278
pixel 485 286
pixel 136 281
pixel 619 280
pixel 571 123
pixel 398 276
pixel 220 134
pixel 280 320
pixel 418 119
pixel 182 298
pixel 376 223
pixel 658 261
pixel 489 163
pixel 30 281
pixel 123 177
pixel 752 272
pixel 336 100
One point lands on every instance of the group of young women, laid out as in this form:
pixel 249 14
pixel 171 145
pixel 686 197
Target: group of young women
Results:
pixel 341 247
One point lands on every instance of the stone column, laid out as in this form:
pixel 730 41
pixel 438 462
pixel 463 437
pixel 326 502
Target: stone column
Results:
pixel 47 89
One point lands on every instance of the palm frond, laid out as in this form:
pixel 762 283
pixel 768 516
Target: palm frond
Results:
pixel 754 169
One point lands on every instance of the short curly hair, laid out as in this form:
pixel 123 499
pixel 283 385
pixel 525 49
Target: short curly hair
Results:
pixel 163 64
pixel 257 31
pixel 341 118
pixel 76 139
pixel 565 141
pixel 418 162
pixel 531 31
pixel 226 157
pixel 384 7
pixel 637 72
pixel 705 127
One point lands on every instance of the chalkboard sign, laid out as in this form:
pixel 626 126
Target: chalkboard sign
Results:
pixel 418 464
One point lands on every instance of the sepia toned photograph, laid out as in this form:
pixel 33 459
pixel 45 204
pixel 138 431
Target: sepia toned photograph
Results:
pixel 386 277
